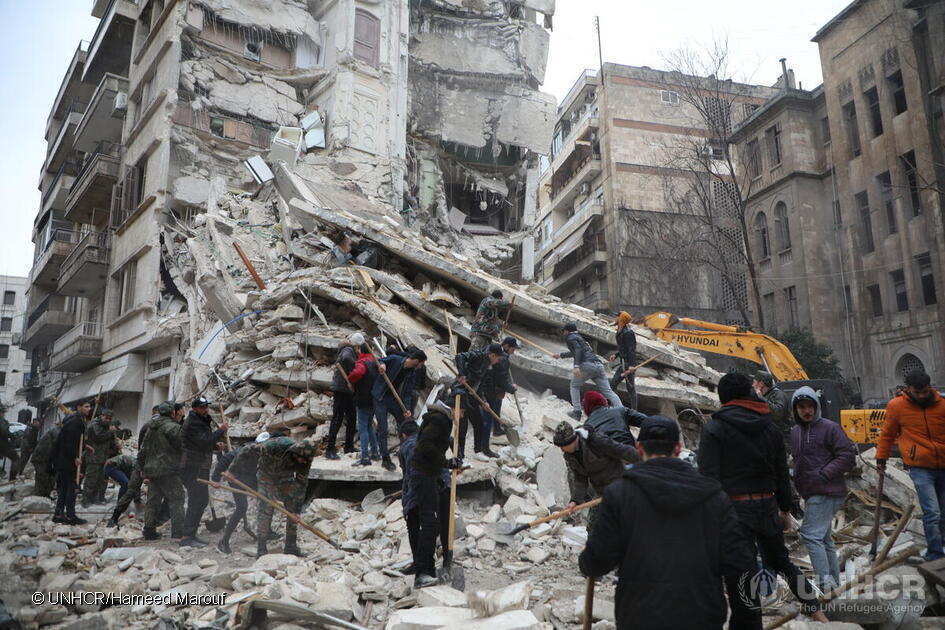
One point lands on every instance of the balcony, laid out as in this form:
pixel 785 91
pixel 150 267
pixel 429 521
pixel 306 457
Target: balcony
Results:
pixel 569 182
pixel 110 48
pixel 583 134
pixel 61 146
pixel 90 196
pixel 79 349
pixel 54 196
pixel 47 322
pixel 70 89
pixel 572 264
pixel 46 264
pixel 85 269
pixel 102 121
pixel 592 207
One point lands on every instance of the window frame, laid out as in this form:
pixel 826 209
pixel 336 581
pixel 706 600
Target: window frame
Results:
pixel 782 226
pixel 926 280
pixel 790 301
pixel 876 300
pixel 884 182
pixel 763 235
pixel 369 18
pixel 8 294
pixel 852 127
pixel 900 290
pixel 897 92
pixel 773 142
pixel 862 201
pixel 875 111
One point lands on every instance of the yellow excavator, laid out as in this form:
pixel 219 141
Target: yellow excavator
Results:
pixel 861 425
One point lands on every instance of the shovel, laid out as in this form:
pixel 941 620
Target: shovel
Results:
pixel 453 574
pixel 215 523
pixel 505 532
pixel 510 431
pixel 375 501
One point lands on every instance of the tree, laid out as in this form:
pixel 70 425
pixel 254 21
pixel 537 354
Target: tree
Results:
pixel 816 358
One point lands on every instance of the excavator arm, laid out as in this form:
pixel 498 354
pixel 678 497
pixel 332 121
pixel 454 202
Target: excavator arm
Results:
pixel 731 341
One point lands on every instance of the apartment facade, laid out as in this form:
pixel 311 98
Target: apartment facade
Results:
pixel 612 169
pixel 14 361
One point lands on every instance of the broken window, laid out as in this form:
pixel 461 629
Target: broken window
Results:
pixel 790 300
pixel 367 37
pixel 782 225
pixel 6 324
pixel 9 298
pixel 876 115
pixel 876 300
pixel 754 159
pixel 863 205
pixel 884 181
pixel 912 179
pixel 898 89
pixel 773 140
pixel 898 278
pixel 761 232
pixel 926 278
pixel 853 129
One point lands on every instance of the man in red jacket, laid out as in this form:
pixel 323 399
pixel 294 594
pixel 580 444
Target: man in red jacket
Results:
pixel 917 420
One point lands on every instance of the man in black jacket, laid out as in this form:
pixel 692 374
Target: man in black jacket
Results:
pixel 342 402
pixel 471 368
pixel 198 441
pixel 496 383
pixel 66 460
pixel 627 353
pixel 672 533
pixel 754 474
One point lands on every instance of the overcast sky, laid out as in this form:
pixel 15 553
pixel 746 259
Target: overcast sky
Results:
pixel 41 36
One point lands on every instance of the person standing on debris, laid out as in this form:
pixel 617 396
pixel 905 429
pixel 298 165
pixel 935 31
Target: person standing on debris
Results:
pixel 426 483
pixel 198 441
pixel 489 320
pixel 27 445
pixel 66 459
pixel 587 365
pixel 399 371
pixel 241 463
pixel 672 534
pixel 159 456
pixel 627 353
pixel 102 442
pixel 916 419
pixel 594 459
pixel 496 383
pixel 822 455
pixel 120 468
pixel 44 480
pixel 7 448
pixel 135 480
pixel 778 403
pixel 342 404
pixel 754 474
pixel 472 368
pixel 282 475
pixel 363 377
pixel 614 422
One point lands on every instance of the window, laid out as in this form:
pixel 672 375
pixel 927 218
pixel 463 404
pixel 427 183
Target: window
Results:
pixel 863 205
pixel 668 97
pixel 768 309
pixel 754 159
pixel 876 116
pixel 748 109
pixel 848 300
pixel 912 179
pixel 898 278
pixel 719 116
pixel 6 324
pixel 3 378
pixel 837 213
pixel 782 226
pixel 773 140
pixel 761 232
pixel 367 37
pixel 790 300
pixel 926 278
pixel 825 129
pixel 908 363
pixel 898 89
pixel 853 130
pixel 4 351
pixel 127 280
pixel 886 194
pixel 876 300
pixel 9 298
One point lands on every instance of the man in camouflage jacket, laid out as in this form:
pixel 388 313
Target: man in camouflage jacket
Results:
pixel 241 463
pixel 159 460
pixel 283 476
pixel 100 436
pixel 44 481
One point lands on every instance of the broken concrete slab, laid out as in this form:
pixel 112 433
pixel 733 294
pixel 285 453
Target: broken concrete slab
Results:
pixel 428 618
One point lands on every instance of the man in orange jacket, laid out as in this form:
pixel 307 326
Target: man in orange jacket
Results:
pixel 917 419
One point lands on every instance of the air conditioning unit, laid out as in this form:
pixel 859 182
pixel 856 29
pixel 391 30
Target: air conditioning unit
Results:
pixel 120 107
pixel 586 188
pixel 252 50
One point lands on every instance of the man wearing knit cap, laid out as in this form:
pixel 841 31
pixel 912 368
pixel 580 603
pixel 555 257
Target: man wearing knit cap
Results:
pixel 614 422
pixel 342 402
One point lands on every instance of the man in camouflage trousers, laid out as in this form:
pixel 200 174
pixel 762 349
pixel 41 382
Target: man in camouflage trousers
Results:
pixel 489 320
pixel 133 491
pixel 100 435
pixel 159 460
pixel 282 476
pixel 44 481
pixel 27 445
pixel 241 464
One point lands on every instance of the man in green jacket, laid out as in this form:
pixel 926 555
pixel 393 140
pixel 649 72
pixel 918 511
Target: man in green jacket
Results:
pixel 27 445
pixel 283 476
pixel 44 481
pixel 159 460
pixel 100 436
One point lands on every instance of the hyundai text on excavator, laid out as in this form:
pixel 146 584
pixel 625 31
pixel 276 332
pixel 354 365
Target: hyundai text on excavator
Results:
pixel 861 425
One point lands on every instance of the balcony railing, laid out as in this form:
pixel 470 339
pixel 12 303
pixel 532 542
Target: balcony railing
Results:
pixel 96 243
pixel 103 148
pixel 89 330
pixel 55 303
pixel 69 167
pixel 107 16
pixel 57 235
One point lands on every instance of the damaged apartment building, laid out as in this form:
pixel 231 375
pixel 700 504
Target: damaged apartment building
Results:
pixel 427 110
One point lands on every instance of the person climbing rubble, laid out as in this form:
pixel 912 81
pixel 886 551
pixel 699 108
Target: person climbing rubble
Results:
pixel 100 437
pixel 399 371
pixel 614 422
pixel 120 468
pixel 282 475
pixel 472 369
pixel 489 320
pixel 587 365
pixel 135 480
pixel 66 460
pixel 241 464
pixel 496 383
pixel 363 377
pixel 342 403
pixel 198 442
pixel 159 456
pixel 627 353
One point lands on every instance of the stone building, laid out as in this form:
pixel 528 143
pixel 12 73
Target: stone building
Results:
pixel 14 361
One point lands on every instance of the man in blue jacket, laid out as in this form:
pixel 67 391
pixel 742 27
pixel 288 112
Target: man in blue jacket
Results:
pixel 822 454
pixel 399 371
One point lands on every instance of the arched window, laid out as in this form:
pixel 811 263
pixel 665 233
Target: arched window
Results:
pixel 367 37
pixel 782 226
pixel 761 234
pixel 908 363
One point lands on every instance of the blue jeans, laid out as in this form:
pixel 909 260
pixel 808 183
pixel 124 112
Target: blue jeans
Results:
pixel 383 408
pixel 816 532
pixel 930 486
pixel 594 372
pixel 119 477
pixel 366 433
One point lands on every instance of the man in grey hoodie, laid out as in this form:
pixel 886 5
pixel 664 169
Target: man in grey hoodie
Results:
pixel 822 454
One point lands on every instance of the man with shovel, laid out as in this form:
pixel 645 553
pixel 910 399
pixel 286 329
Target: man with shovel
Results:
pixel 240 463
pixel 472 369
pixel 198 441
pixel 282 476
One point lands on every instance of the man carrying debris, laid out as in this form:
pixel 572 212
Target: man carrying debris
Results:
pixel 27 444
pixel 363 377
pixel 426 484
pixel 672 534
pixel 198 441
pixel 594 459
pixel 66 460
pixel 743 449
pixel 627 353
pixel 282 476
pixel 44 481
pixel 120 468
pixel 777 400
pixel 917 420
pixel 472 368
pixel 614 422
pixel 587 365
pixel 102 442
pixel 241 463
pixel 490 317
pixel 159 460
pixel 399 371
pixel 342 404
pixel 822 455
